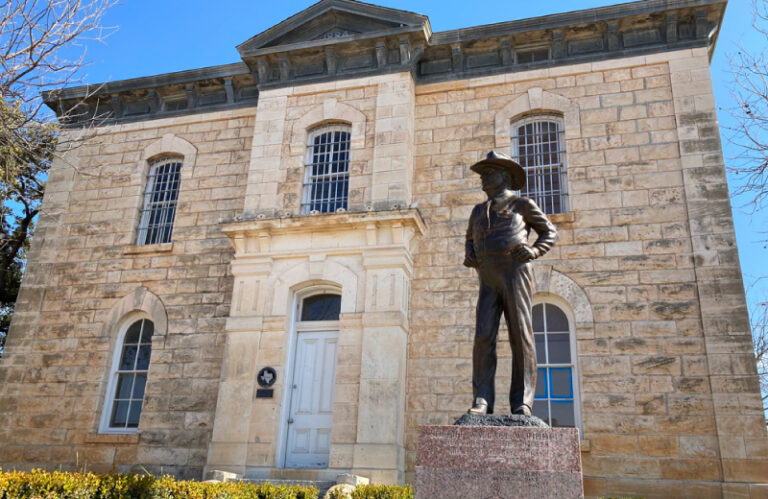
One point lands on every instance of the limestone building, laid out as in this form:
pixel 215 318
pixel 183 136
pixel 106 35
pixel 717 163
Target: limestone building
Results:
pixel 304 210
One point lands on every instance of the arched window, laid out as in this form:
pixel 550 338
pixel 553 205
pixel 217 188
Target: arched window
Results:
pixel 128 378
pixel 538 144
pixel 326 178
pixel 557 397
pixel 159 208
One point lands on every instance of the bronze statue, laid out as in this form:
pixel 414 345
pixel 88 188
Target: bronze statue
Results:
pixel 497 247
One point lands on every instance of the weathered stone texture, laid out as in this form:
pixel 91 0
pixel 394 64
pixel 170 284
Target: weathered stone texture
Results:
pixel 646 262
pixel 83 262
pixel 649 240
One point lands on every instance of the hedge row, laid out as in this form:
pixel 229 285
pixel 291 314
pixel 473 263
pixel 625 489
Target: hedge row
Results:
pixel 377 492
pixel 39 484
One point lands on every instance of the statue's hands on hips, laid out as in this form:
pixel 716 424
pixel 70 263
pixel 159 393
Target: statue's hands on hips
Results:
pixel 524 253
pixel 470 260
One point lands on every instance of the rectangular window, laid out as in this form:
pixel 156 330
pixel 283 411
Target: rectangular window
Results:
pixel 531 55
pixel 326 179
pixel 538 144
pixel 160 195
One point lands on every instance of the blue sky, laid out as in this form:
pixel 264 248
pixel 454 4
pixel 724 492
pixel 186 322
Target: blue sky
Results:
pixel 172 35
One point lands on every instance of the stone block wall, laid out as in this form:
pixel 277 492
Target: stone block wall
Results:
pixel 666 373
pixel 646 260
pixel 83 262
pixel 379 111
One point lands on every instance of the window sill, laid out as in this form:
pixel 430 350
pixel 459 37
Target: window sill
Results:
pixel 142 249
pixel 112 438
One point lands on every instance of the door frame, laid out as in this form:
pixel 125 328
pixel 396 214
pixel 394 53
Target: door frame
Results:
pixel 295 327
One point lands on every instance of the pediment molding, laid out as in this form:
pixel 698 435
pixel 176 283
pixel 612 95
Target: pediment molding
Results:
pixel 311 23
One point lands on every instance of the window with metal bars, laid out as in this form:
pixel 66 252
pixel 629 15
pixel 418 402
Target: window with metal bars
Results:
pixel 556 398
pixel 326 178
pixel 128 379
pixel 160 195
pixel 538 144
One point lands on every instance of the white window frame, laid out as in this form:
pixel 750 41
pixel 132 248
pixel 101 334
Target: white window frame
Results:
pixel 109 396
pixel 297 326
pixel 148 208
pixel 567 310
pixel 538 173
pixel 308 204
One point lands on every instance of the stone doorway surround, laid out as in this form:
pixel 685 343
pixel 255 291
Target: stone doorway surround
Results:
pixel 368 256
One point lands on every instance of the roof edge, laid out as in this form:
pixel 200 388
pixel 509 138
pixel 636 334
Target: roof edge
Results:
pixel 569 18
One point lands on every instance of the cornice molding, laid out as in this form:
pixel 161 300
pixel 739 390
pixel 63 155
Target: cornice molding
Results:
pixel 625 30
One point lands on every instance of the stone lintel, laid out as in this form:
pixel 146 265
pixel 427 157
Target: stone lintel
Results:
pixel 243 233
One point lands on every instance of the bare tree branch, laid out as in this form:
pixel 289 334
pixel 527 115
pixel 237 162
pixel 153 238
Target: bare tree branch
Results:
pixel 749 68
pixel 41 50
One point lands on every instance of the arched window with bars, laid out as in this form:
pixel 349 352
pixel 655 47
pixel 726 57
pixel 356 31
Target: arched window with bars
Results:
pixel 326 177
pixel 538 144
pixel 160 195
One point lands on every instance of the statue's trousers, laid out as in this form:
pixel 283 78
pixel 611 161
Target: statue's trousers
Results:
pixel 506 285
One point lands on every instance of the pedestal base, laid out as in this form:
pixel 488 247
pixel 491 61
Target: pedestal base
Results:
pixel 498 462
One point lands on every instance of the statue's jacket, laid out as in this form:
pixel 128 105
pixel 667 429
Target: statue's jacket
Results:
pixel 494 231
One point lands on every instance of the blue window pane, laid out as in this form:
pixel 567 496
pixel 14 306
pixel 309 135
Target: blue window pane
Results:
pixel 538 318
pixel 124 384
pixel 138 386
pixel 145 351
pixel 129 358
pixel 541 410
pixel 556 319
pixel 132 335
pixel 119 414
pixel 561 383
pixel 321 308
pixel 541 353
pixel 147 331
pixel 133 415
pixel 562 414
pixel 559 348
pixel 541 384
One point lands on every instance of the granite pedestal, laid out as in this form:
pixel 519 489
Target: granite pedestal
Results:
pixel 498 462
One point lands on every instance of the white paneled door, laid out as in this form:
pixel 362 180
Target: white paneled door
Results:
pixel 311 409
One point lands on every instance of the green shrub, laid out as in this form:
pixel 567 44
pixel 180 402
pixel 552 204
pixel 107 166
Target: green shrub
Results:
pixel 382 492
pixel 39 484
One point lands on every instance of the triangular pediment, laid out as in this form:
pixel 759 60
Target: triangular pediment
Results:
pixel 332 19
